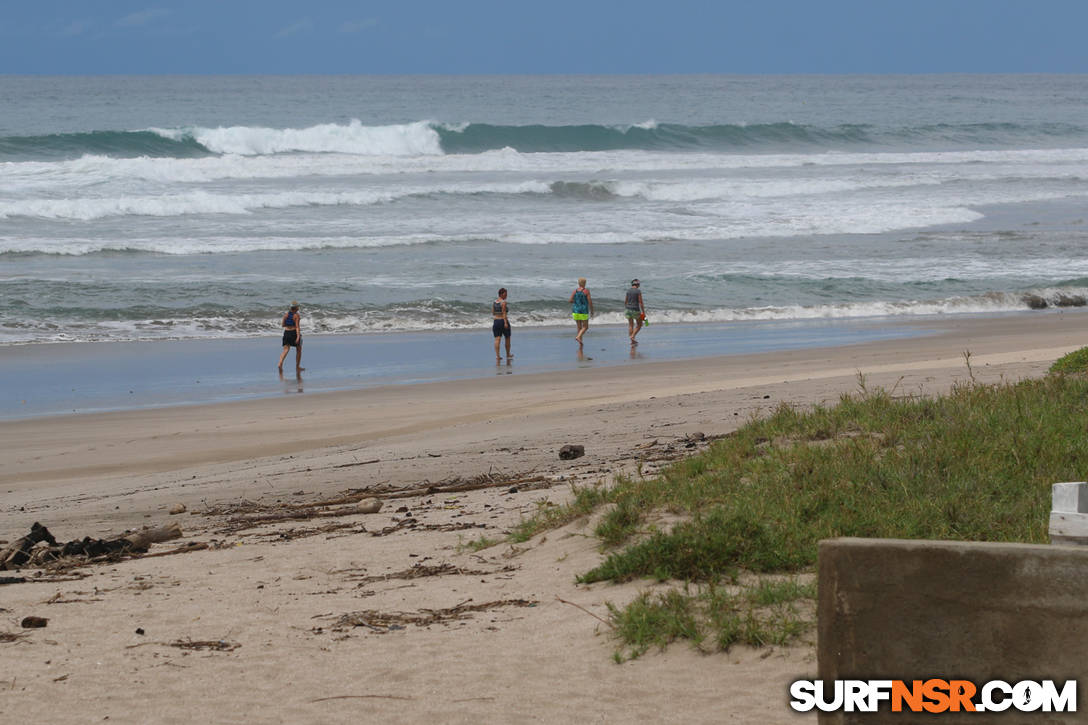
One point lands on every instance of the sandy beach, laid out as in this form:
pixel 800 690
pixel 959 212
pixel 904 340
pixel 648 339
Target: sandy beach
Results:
pixel 269 622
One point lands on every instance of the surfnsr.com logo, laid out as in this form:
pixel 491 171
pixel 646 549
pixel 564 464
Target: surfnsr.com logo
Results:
pixel 933 696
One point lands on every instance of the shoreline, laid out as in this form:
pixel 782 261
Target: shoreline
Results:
pixel 91 377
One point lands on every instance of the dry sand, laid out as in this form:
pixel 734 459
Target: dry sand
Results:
pixel 276 595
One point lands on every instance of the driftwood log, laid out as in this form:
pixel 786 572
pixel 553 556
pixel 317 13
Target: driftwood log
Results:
pixel 144 538
pixel 300 513
pixel 18 553
pixel 28 552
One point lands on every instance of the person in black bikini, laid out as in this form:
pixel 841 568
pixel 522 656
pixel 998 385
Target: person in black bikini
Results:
pixel 500 324
pixel 292 336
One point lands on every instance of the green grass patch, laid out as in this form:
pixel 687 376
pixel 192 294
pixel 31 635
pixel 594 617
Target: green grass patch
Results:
pixel 768 593
pixel 549 515
pixel 976 464
pixel 478 544
pixel 712 618
pixel 655 619
pixel 1071 364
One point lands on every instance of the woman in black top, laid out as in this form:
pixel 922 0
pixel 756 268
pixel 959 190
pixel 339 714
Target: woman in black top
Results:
pixel 500 324
pixel 292 336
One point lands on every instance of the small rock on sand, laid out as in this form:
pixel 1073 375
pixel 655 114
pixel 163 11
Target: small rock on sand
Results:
pixel 569 452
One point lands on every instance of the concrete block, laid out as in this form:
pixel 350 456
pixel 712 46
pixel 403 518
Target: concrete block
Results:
pixel 900 609
pixel 1069 529
pixel 1069 514
pixel 1070 497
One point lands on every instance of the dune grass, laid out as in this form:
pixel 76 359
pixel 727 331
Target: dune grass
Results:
pixel 976 464
pixel 1073 363
pixel 712 617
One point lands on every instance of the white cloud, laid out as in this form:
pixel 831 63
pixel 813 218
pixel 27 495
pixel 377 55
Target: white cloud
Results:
pixel 357 26
pixel 295 28
pixel 74 28
pixel 142 17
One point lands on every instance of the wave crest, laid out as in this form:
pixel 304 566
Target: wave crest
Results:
pixel 412 139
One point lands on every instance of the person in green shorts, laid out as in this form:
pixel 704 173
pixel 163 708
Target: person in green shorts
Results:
pixel 634 310
pixel 581 308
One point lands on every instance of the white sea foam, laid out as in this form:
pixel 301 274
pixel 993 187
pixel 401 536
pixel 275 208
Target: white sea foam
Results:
pixel 18 178
pixel 213 245
pixel 411 139
pixel 700 189
pixel 190 327
pixel 647 125
pixel 898 270
pixel 203 202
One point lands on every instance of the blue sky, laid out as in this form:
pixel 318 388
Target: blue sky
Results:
pixel 543 36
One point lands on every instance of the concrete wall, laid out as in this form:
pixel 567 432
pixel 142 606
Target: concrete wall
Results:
pixel 900 609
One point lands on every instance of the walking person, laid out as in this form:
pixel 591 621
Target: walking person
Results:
pixel 634 309
pixel 581 308
pixel 292 336
pixel 500 324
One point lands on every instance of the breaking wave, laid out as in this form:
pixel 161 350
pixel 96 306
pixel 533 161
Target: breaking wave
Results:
pixel 429 138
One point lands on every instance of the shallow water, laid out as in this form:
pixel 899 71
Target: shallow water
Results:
pixel 92 377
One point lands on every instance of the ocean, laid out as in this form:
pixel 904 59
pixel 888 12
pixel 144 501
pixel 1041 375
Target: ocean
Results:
pixel 171 208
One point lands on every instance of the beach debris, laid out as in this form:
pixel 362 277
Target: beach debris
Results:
pixel 571 451
pixel 366 697
pixel 247 514
pixel 40 578
pixel 216 645
pixel 420 570
pixel 12 636
pixel 58 598
pixel 354 463
pixel 457 484
pixel 183 549
pixel 693 439
pixel 27 552
pixel 681 448
pixel 579 606
pixel 178 508
pixel 386 621
pixel 415 525
pixel 18 553
pixel 33 622
pixel 144 538
pixel 341 529
pixel 300 512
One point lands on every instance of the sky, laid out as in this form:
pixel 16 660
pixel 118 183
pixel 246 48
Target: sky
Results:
pixel 91 37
